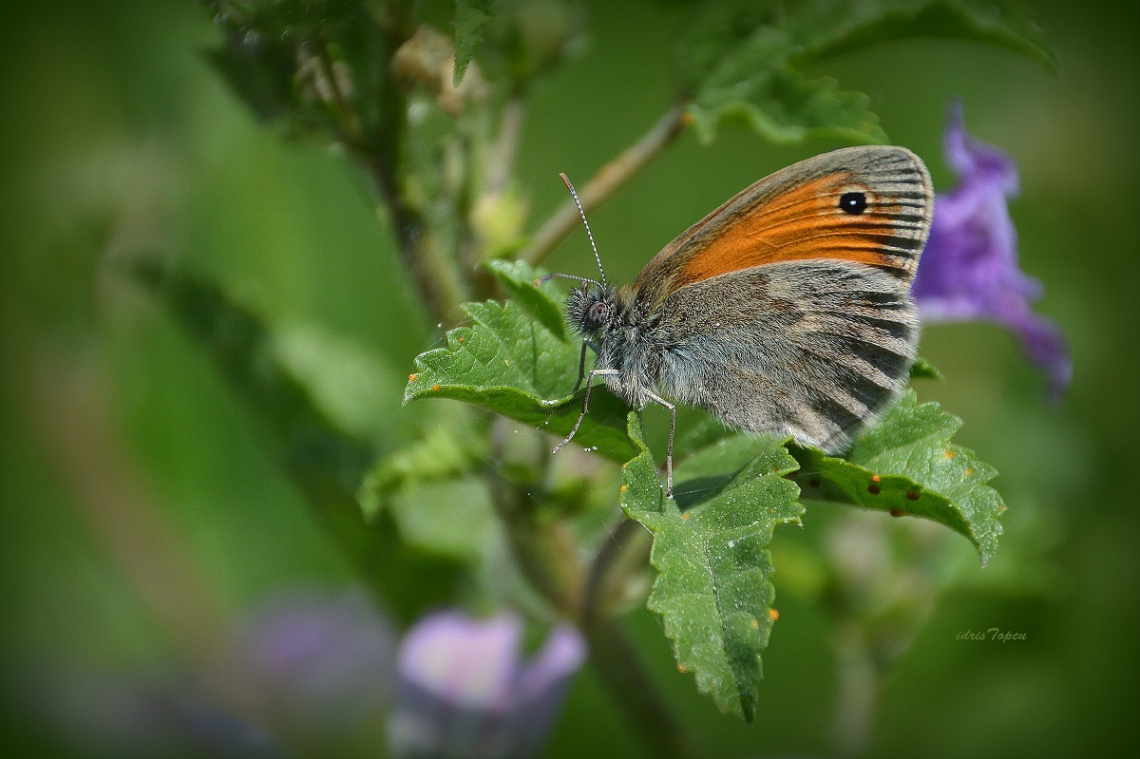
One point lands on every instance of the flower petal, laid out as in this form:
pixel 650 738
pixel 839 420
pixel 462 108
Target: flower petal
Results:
pixel 315 665
pixel 463 691
pixel 468 662
pixel 969 270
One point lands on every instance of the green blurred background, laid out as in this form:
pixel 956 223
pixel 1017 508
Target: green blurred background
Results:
pixel 118 137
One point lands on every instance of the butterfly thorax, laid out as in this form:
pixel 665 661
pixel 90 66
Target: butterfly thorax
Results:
pixel 611 322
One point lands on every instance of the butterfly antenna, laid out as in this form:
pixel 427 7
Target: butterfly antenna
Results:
pixel 559 275
pixel 582 213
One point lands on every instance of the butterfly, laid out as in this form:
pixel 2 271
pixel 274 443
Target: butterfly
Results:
pixel 786 311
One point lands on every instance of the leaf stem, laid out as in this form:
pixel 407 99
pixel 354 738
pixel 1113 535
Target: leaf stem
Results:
pixel 616 663
pixel 426 258
pixel 351 131
pixel 545 551
pixel 858 691
pixel 609 179
pixel 600 583
pixel 501 157
pixel 547 554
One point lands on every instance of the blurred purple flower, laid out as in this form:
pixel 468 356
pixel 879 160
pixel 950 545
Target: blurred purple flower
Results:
pixel 306 673
pixel 463 693
pixel 969 268
pixel 314 666
pixel 75 711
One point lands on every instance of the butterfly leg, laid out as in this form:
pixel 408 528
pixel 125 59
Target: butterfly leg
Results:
pixel 585 403
pixel 669 453
pixel 581 369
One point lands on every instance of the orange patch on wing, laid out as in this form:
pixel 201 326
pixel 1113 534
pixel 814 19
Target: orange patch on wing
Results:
pixel 802 223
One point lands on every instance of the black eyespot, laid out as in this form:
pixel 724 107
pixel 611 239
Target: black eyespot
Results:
pixel 853 202
pixel 597 313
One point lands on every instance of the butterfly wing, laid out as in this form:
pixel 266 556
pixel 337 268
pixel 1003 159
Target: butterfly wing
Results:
pixel 811 349
pixel 783 313
pixel 795 215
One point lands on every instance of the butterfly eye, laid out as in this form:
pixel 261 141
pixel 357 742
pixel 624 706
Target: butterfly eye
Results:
pixel 853 202
pixel 598 312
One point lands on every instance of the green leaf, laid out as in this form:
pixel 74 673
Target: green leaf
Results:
pixel 446 450
pixel 906 465
pixel 753 83
pixel 259 75
pixel 713 590
pixel 529 38
pixel 835 27
pixel 453 517
pixel 518 367
pixel 279 17
pixel 433 492
pixel 748 61
pixel 542 301
pixel 286 58
pixel 353 386
pixel 322 461
pixel 470 15
pixel 923 369
pixel 247 353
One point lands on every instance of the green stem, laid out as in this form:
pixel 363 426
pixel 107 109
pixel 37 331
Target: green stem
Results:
pixel 857 694
pixel 625 549
pixel 545 550
pixel 615 661
pixel 547 554
pixel 426 258
pixel 609 179
pixel 501 156
pixel 616 664
pixel 350 129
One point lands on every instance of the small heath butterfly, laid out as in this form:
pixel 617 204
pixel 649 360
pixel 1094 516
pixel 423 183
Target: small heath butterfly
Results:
pixel 786 311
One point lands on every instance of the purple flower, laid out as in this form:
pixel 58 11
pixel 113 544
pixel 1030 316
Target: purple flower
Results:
pixel 969 268
pixel 307 674
pixel 99 713
pixel 314 666
pixel 462 691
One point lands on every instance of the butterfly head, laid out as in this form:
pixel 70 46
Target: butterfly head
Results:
pixel 591 308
